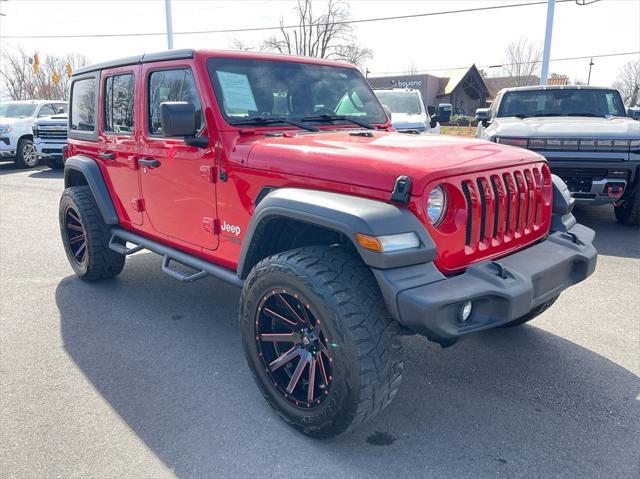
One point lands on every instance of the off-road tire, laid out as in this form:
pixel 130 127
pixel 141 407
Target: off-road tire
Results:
pixel 628 213
pixel 99 262
pixel 24 158
pixel 364 341
pixel 534 313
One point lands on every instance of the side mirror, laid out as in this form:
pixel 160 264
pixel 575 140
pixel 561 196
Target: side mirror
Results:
pixel 178 119
pixel 434 121
pixel 633 112
pixel 483 115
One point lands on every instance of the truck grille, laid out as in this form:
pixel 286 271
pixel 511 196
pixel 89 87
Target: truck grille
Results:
pixel 504 206
pixel 48 133
pixel 580 180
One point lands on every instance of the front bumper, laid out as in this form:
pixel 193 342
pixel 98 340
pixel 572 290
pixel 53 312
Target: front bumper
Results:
pixel 529 278
pixel 597 181
pixel 49 149
pixel 7 147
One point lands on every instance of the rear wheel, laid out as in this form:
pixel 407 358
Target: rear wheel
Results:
pixel 26 156
pixel 628 213
pixel 86 236
pixel 318 339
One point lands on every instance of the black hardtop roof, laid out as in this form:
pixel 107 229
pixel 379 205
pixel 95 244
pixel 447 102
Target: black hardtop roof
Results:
pixel 144 58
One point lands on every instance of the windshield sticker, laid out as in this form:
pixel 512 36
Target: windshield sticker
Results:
pixel 236 91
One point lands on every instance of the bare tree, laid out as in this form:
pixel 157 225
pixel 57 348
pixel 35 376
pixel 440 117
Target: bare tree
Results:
pixel 324 35
pixel 628 83
pixel 521 62
pixel 20 81
pixel 239 44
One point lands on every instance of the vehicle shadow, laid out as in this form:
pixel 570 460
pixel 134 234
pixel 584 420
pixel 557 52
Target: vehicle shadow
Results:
pixel 47 172
pixel 168 358
pixel 8 167
pixel 612 238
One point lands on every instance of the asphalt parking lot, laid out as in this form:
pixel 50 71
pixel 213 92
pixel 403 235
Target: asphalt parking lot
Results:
pixel 143 376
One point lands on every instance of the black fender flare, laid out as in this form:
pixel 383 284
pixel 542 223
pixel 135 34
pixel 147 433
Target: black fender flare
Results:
pixel 93 176
pixel 344 214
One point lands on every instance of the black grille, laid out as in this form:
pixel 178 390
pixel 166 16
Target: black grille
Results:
pixel 483 208
pixel 467 195
pixel 496 208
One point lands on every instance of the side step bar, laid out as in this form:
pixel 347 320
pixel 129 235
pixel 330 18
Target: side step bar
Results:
pixel 202 267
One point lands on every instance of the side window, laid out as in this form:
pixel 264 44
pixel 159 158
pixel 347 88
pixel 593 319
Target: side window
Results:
pixel 171 85
pixel 118 103
pixel 83 105
pixel 46 110
pixel 494 106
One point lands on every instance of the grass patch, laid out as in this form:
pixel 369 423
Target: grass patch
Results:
pixel 469 131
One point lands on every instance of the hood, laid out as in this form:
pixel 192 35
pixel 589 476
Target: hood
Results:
pixel 376 161
pixel 406 121
pixel 12 121
pixel 567 127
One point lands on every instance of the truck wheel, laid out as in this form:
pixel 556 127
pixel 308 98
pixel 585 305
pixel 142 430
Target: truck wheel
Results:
pixel 26 156
pixel 322 348
pixel 86 236
pixel 628 213
pixel 534 313
pixel 54 164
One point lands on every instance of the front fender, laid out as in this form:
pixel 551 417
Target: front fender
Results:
pixel 347 215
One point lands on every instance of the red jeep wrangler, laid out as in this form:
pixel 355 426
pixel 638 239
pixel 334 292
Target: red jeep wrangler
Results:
pixel 283 176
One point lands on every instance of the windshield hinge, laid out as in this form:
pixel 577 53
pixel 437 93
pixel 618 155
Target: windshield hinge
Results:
pixel 401 190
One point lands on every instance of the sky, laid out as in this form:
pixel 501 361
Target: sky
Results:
pixel 432 44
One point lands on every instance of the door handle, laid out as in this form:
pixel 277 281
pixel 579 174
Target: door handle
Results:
pixel 149 162
pixel 107 156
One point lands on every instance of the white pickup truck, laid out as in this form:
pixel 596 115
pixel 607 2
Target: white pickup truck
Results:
pixel 408 113
pixel 16 133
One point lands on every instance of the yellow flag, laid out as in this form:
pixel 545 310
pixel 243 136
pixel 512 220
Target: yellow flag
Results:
pixel 36 63
pixel 67 69
pixel 55 78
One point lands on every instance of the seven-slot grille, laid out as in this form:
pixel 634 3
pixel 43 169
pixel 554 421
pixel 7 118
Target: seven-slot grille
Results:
pixel 503 206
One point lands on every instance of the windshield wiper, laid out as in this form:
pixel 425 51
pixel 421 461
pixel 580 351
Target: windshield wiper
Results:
pixel 262 120
pixel 547 114
pixel 325 117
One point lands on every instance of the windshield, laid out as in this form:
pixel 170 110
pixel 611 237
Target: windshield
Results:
pixel 16 110
pixel 566 102
pixel 267 89
pixel 406 102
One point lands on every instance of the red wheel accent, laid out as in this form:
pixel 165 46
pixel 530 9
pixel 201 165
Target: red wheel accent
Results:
pixel 293 348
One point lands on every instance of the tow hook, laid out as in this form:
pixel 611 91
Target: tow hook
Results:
pixel 615 190
pixel 501 270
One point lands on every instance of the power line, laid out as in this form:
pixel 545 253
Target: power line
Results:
pixel 259 29
pixel 604 55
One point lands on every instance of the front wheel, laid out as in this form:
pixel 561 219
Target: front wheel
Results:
pixel 26 156
pixel 318 339
pixel 628 213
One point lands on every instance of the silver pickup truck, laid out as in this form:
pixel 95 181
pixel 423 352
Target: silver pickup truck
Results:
pixel 584 133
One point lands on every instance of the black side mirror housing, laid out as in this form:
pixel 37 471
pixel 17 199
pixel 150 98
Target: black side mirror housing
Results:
pixel 434 121
pixel 178 119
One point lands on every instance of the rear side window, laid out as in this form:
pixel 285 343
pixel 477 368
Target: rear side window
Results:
pixel 83 105
pixel 171 85
pixel 118 103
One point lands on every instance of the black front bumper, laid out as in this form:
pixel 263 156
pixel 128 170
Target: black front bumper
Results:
pixel 529 278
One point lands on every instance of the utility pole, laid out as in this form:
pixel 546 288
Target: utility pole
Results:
pixel 589 78
pixel 167 9
pixel 544 73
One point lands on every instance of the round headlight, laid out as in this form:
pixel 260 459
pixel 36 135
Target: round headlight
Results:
pixel 436 205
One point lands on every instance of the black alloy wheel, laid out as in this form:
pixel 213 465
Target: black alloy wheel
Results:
pixel 293 348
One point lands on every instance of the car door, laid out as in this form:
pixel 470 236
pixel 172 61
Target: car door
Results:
pixel 177 179
pixel 118 139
